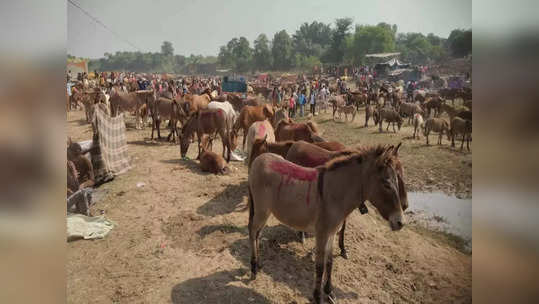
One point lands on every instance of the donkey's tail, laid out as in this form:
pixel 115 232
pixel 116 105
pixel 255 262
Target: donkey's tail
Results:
pixel 251 206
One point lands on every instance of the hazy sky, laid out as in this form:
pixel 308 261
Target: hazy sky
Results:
pixel 202 26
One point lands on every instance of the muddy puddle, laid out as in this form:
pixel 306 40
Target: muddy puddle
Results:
pixel 441 212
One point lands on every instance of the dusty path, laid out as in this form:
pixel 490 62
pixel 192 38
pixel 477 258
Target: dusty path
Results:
pixel 182 238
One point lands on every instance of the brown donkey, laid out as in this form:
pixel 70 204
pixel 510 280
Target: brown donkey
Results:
pixel 261 145
pixel 317 200
pixel 210 122
pixel 437 125
pixel 308 155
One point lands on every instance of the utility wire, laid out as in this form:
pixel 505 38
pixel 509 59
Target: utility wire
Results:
pixel 103 25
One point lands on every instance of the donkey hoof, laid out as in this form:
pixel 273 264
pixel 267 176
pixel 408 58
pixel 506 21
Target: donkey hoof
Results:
pixel 331 298
pixel 344 254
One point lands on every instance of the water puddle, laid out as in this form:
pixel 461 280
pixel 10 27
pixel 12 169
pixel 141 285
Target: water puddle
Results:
pixel 441 212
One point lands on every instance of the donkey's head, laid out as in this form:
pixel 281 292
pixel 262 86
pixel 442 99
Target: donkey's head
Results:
pixel 383 188
pixel 185 137
pixel 259 146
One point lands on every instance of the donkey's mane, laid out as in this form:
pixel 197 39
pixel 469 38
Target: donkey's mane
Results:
pixel 358 155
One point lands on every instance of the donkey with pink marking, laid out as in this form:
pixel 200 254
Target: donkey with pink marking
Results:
pixel 318 200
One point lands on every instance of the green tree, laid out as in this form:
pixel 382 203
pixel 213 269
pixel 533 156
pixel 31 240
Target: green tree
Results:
pixel 167 49
pixel 312 39
pixel 460 42
pixel 282 51
pixel 369 39
pixel 337 48
pixel 262 54
pixel 242 53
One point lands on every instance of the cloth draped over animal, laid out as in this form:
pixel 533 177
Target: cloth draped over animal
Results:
pixel 111 157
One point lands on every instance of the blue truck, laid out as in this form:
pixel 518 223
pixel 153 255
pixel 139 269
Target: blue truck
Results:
pixel 234 84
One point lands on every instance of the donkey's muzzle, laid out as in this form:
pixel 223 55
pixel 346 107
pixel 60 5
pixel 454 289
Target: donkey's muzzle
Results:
pixel 396 222
pixel 397 226
pixel 363 209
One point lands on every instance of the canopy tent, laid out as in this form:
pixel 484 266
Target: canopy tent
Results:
pixel 395 63
pixel 382 55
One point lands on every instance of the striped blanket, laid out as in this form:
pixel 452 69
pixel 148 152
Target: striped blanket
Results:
pixel 109 135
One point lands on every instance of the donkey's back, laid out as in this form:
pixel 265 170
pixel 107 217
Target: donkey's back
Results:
pixel 284 189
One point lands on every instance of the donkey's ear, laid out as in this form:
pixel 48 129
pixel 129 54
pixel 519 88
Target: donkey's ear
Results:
pixel 396 150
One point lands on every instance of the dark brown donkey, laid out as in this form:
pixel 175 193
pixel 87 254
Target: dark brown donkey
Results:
pixel 260 145
pixel 209 122
pixel 318 200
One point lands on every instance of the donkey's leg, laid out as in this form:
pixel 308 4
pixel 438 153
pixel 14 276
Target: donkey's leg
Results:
pixel 328 288
pixel 341 241
pixel 301 236
pixel 462 144
pixel 153 128
pixel 158 124
pixel 320 260
pixel 199 139
pixel 244 138
pixel 259 221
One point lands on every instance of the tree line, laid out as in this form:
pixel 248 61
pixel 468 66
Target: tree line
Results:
pixel 312 44
pixel 319 43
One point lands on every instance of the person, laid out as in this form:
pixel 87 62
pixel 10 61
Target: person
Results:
pixel 410 91
pixel 296 100
pixel 301 103
pixel 291 104
pixel 82 165
pixel 313 102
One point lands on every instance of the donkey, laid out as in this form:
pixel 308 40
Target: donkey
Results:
pixel 317 200
pixel 297 131
pixel 418 124
pixel 248 116
pixel 166 109
pixel 461 126
pixel 258 130
pixel 212 162
pixel 330 145
pixel 347 110
pixel 369 112
pixel 308 155
pixel 437 125
pixel 207 122
pixel 262 145
pixel 389 115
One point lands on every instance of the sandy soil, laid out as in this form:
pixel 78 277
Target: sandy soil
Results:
pixel 182 238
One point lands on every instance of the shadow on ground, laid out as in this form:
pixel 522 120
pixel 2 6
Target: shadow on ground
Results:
pixel 281 263
pixel 215 288
pixel 145 142
pixel 225 202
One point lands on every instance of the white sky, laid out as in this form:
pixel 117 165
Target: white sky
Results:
pixel 202 26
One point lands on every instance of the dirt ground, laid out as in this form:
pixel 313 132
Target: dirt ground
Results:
pixel 182 237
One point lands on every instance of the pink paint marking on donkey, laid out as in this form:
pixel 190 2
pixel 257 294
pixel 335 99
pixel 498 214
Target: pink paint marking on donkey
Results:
pixel 291 172
pixel 261 130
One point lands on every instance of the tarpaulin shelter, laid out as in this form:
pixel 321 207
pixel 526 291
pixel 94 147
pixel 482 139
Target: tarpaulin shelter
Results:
pixel 77 67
